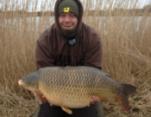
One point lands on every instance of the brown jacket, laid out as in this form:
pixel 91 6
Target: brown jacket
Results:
pixel 53 50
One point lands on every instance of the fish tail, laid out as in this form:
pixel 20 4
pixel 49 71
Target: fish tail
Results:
pixel 125 91
pixel 128 89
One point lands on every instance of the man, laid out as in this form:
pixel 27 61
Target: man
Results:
pixel 68 42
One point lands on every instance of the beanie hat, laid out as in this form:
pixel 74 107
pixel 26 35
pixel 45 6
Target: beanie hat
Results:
pixel 68 6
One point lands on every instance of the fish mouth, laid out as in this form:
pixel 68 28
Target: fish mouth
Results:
pixel 20 82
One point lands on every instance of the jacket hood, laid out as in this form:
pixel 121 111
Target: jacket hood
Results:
pixel 56 13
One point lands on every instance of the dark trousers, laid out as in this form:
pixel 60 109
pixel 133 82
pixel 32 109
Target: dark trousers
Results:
pixel 46 110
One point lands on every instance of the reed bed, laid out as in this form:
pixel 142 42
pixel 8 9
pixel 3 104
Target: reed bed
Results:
pixel 126 56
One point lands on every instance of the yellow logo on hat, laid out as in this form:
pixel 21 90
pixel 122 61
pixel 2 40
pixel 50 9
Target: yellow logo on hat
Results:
pixel 66 10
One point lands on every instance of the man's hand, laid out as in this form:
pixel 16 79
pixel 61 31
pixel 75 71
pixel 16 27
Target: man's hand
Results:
pixel 94 100
pixel 40 97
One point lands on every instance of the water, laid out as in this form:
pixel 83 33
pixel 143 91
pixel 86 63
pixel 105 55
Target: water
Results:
pixel 30 23
pixel 105 22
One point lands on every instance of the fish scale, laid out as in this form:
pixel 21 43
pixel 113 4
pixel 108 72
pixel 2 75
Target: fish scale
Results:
pixel 70 86
pixel 74 87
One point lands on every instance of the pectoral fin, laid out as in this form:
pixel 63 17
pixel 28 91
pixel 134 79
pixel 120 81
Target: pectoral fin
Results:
pixel 67 110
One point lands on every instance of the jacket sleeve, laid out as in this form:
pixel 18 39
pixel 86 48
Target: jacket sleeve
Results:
pixel 93 53
pixel 43 52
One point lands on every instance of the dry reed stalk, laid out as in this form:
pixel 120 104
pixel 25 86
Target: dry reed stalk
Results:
pixel 126 55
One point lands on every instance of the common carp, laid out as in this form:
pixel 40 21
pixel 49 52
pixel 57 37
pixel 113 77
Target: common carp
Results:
pixel 73 87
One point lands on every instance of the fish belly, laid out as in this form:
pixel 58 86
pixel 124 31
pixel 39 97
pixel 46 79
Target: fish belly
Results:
pixel 67 96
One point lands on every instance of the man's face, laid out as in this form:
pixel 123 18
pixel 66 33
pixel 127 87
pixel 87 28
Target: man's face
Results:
pixel 68 21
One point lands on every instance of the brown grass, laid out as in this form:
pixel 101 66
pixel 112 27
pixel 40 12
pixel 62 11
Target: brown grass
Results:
pixel 127 55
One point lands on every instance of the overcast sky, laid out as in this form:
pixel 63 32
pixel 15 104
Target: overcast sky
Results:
pixel 45 4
